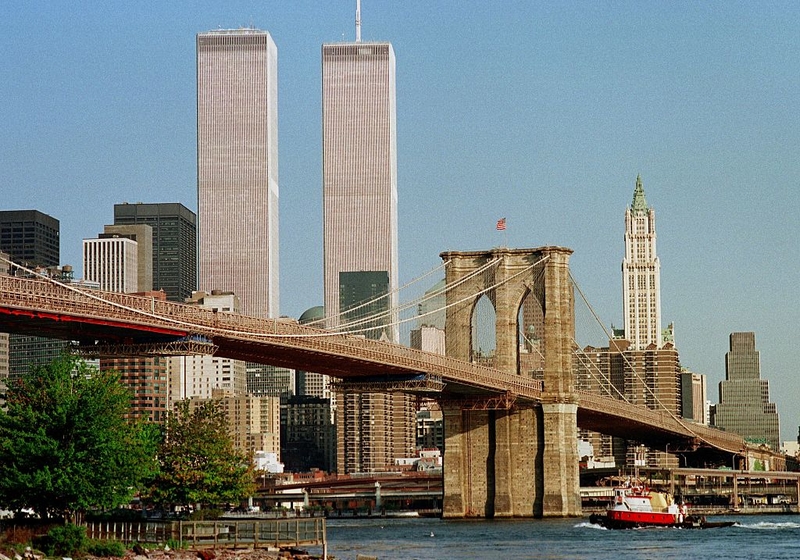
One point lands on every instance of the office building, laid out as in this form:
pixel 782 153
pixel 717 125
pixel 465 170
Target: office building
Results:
pixel 112 262
pixel 744 406
pixel 30 237
pixel 174 244
pixel 308 434
pixel 143 235
pixel 237 167
pixel 641 275
pixel 266 380
pixel 694 396
pixel 430 428
pixel 359 167
pixel 428 339
pixel 359 161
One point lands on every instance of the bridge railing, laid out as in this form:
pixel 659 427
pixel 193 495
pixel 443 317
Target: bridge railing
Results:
pixel 148 311
pixel 661 419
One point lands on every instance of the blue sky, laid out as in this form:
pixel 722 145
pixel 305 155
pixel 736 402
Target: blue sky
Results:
pixel 540 112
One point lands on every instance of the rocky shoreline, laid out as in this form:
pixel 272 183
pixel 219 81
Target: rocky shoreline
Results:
pixel 141 553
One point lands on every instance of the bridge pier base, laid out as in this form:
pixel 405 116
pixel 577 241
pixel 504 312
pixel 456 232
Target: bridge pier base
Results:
pixel 466 451
pixel 493 463
pixel 560 473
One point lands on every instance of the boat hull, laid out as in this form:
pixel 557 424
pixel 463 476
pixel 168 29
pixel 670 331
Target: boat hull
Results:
pixel 689 522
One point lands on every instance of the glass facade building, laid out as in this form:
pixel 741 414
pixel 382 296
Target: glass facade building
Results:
pixel 30 237
pixel 174 241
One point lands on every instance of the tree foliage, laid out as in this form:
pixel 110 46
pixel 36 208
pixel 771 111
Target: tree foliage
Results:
pixel 65 442
pixel 198 463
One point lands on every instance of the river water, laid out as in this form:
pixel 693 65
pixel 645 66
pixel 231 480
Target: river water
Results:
pixel 773 537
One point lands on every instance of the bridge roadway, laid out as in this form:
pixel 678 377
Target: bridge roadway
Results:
pixel 42 307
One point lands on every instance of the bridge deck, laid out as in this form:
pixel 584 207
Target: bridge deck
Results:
pixel 45 308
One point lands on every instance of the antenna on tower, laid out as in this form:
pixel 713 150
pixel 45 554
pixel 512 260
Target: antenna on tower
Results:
pixel 358 21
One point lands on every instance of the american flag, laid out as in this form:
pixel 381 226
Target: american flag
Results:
pixel 501 224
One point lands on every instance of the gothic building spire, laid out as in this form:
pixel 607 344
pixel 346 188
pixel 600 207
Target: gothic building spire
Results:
pixel 639 204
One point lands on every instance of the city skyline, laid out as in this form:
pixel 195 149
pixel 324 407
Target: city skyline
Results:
pixel 547 122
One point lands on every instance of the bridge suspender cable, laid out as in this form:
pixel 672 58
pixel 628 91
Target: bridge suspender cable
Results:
pixel 323 322
pixel 350 326
pixel 681 421
pixel 469 297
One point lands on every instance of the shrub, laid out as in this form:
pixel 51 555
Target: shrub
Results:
pixel 106 548
pixel 64 540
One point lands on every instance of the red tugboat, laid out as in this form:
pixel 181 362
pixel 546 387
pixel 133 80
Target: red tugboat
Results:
pixel 638 506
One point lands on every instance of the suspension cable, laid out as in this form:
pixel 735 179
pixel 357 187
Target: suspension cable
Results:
pixel 634 370
pixel 348 326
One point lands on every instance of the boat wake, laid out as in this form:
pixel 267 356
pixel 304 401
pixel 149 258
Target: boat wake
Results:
pixel 769 526
pixel 590 526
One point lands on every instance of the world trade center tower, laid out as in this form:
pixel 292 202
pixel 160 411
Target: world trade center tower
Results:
pixel 359 149
pixel 237 167
pixel 359 153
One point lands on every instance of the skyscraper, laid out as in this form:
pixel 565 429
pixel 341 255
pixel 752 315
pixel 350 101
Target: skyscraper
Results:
pixel 174 251
pixel 359 163
pixel 237 166
pixel 359 166
pixel 744 407
pixel 641 275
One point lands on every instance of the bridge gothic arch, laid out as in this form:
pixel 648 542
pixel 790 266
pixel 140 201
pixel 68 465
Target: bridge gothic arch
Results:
pixel 523 461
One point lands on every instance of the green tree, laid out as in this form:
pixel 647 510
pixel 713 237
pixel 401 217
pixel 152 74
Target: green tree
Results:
pixel 198 464
pixel 66 444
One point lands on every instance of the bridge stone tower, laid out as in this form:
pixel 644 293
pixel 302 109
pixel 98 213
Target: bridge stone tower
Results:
pixel 522 461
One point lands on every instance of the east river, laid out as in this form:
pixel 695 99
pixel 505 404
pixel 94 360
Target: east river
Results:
pixel 763 536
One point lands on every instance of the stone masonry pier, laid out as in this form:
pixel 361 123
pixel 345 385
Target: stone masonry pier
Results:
pixel 522 461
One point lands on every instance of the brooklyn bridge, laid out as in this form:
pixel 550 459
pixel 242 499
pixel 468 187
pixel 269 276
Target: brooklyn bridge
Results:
pixel 511 439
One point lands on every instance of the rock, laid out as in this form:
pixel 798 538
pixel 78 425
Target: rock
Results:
pixel 139 550
pixel 4 557
pixel 205 554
